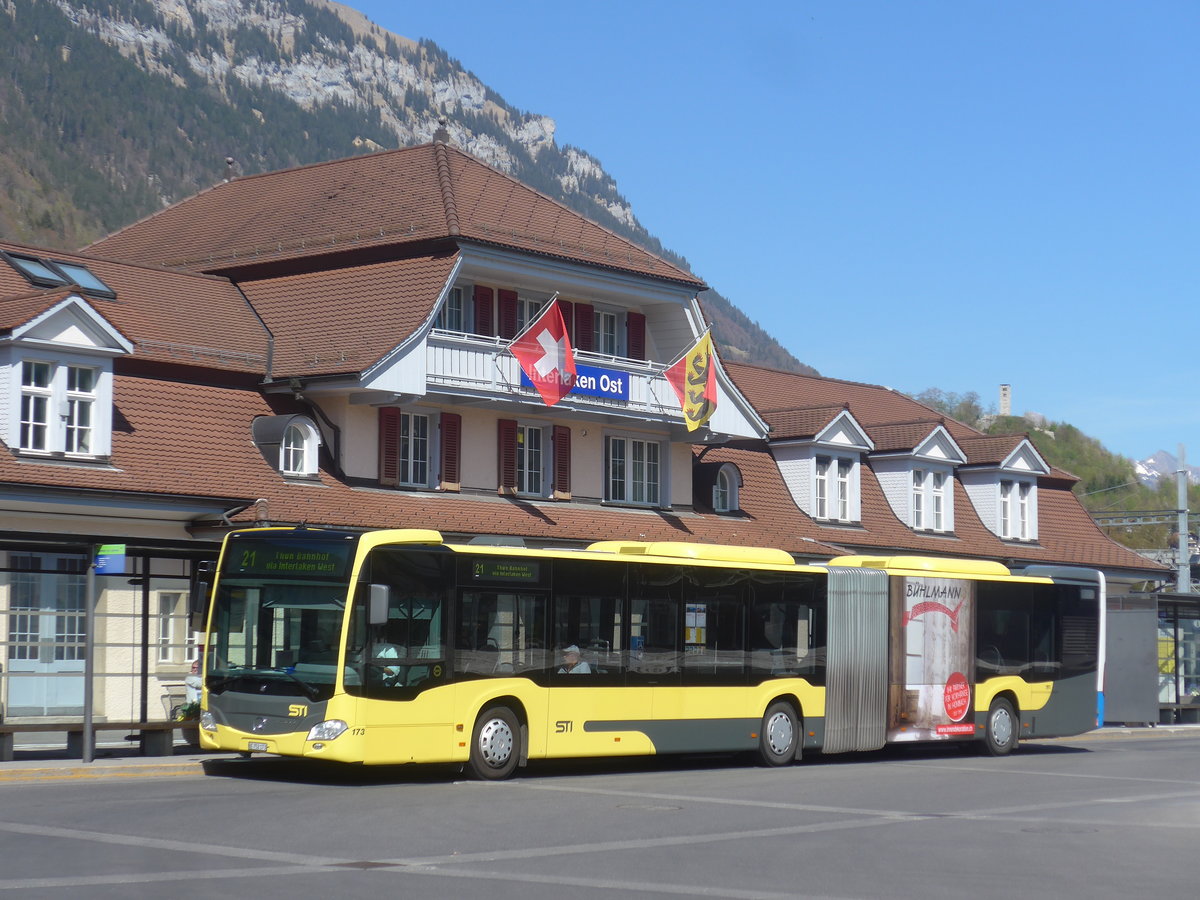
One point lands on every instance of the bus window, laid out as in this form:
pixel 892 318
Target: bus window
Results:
pixel 500 633
pixel 655 613
pixel 787 626
pixel 714 625
pixel 408 651
pixel 588 606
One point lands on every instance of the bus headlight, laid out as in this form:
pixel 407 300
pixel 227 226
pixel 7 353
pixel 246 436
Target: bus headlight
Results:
pixel 327 730
pixel 208 721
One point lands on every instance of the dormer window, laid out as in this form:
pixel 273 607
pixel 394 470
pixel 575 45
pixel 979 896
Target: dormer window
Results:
pixel 726 488
pixel 1001 481
pixel 290 444
pixel 298 453
pixel 1016 503
pixel 834 491
pixel 930 502
pixel 71 391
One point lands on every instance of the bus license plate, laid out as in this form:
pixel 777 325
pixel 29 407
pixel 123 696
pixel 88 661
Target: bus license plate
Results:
pixel 256 745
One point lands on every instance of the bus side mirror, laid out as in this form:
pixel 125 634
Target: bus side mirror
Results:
pixel 198 595
pixel 379 597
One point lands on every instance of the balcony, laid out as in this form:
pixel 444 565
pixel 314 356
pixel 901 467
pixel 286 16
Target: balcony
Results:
pixel 474 365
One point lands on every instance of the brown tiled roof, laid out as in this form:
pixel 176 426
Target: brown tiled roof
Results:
pixel 988 449
pixel 1067 533
pixel 901 435
pixel 343 320
pixel 871 404
pixel 170 316
pixel 790 424
pixel 16 311
pixel 415 194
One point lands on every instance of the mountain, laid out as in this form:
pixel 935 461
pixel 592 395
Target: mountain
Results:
pixel 1161 467
pixel 112 109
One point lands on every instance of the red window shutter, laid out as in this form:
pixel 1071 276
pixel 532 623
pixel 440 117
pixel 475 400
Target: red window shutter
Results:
pixel 508 314
pixel 584 326
pixel 389 446
pixel 506 442
pixel 562 462
pixel 484 320
pixel 635 337
pixel 567 308
pixel 451 478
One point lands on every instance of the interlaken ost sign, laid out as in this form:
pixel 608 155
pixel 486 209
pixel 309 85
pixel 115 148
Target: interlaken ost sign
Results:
pixel 592 381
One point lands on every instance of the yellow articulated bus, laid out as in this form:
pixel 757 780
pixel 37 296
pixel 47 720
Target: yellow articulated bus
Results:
pixel 392 646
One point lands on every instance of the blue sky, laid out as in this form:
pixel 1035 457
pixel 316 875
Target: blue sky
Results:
pixel 953 194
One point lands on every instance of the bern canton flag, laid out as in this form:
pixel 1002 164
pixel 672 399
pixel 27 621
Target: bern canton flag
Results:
pixel 694 379
pixel 544 352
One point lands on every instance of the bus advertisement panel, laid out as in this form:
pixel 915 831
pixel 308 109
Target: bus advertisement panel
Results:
pixel 933 659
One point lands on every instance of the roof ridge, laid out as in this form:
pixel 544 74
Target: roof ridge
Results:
pixel 446 184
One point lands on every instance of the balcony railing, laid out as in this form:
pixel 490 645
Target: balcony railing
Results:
pixel 478 365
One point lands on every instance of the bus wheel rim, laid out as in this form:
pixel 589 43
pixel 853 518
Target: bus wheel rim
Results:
pixel 496 742
pixel 780 733
pixel 1002 726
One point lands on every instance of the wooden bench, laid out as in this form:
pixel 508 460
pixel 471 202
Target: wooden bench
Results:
pixel 154 738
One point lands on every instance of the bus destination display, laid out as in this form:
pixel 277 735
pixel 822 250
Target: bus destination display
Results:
pixel 306 559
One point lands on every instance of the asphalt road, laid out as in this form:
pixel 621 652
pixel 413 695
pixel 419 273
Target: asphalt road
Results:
pixel 1106 815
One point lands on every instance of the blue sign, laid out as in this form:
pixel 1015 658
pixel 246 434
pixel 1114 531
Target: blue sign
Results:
pixel 110 560
pixel 591 381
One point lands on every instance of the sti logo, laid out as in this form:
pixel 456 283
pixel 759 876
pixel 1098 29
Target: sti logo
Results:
pixel 297 710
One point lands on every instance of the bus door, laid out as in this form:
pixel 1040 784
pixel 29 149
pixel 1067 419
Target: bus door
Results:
pixel 857 666
pixel 598 705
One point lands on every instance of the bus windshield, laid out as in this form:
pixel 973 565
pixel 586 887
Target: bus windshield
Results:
pixel 279 634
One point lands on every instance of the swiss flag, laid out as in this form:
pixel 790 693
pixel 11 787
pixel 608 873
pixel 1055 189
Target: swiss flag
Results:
pixel 544 352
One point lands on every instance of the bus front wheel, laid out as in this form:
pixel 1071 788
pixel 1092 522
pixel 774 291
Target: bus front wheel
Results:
pixel 1000 736
pixel 495 745
pixel 778 737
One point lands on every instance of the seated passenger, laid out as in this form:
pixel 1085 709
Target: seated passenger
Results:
pixel 572 663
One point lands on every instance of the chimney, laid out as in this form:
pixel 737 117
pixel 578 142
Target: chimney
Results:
pixel 1006 399
pixel 441 136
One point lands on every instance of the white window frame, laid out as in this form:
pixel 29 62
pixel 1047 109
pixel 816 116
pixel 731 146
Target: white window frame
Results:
pixel 298 448
pixel 605 342
pixel 406 461
pixel 1005 509
pixel 527 310
pixel 63 413
pixel 918 499
pixel 638 488
pixel 532 459
pixel 931 509
pixel 725 498
pixel 1024 489
pixel 453 315
pixel 169 616
pixel 834 486
pixel 80 403
pixel 37 399
pixel 937 492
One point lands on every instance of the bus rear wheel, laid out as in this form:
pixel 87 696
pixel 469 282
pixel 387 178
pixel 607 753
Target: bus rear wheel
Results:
pixel 495 744
pixel 1000 735
pixel 779 735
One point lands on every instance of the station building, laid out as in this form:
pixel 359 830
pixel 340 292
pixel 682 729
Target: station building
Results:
pixel 330 345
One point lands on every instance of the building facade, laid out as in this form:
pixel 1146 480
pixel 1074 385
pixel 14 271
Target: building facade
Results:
pixel 330 345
